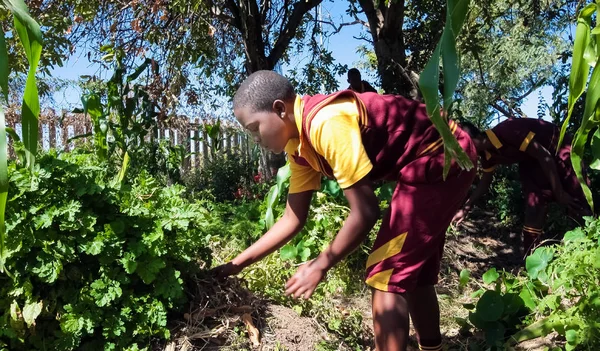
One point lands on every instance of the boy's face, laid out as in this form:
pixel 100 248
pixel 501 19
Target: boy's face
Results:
pixel 479 143
pixel 270 129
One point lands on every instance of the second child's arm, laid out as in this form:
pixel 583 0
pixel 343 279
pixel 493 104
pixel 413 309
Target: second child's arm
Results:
pixel 480 190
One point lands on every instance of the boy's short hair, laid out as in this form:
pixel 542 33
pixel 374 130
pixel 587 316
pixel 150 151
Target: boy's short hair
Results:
pixel 471 129
pixel 261 89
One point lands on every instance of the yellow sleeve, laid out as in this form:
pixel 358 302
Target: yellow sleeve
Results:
pixel 303 178
pixel 335 134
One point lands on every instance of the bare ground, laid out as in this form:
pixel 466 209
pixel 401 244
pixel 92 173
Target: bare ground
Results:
pixel 480 243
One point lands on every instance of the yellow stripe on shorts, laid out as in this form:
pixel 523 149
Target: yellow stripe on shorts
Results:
pixel 387 250
pixel 380 280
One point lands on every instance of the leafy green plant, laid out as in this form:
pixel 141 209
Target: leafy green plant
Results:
pixel 558 293
pixel 96 265
pixel 499 310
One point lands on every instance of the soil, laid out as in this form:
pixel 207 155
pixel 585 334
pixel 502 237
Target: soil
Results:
pixel 479 244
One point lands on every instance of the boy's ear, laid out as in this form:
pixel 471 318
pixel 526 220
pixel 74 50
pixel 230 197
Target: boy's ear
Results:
pixel 279 107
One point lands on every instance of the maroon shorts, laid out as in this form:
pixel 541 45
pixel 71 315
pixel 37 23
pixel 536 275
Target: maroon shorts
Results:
pixel 410 243
pixel 536 186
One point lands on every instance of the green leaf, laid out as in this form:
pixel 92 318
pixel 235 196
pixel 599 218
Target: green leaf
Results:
pixel 579 66
pixel 149 269
pixel 490 276
pixel 538 261
pixel 3 189
pixel 595 146
pixel 129 262
pixel 141 68
pixel 476 320
pixel 4 69
pixel 31 38
pixel 494 333
pixel 525 295
pixel 574 235
pixel 512 303
pixel 288 252
pixel 490 306
pixel 464 278
pixel 31 311
pixel 304 254
pixel 571 336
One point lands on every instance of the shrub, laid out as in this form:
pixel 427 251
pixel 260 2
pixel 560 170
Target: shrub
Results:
pixel 94 265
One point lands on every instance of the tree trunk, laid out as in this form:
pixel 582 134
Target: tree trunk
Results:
pixel 385 22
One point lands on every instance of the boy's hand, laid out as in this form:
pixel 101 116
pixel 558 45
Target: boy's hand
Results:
pixel 305 280
pixel 225 270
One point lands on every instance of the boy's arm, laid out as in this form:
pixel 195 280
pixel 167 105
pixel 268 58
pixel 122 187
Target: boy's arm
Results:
pixel 364 212
pixel 283 230
pixel 480 190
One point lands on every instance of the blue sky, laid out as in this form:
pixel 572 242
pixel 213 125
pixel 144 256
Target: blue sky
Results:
pixel 343 46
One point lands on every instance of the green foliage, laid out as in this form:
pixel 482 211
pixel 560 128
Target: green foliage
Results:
pixel 429 80
pixel 559 292
pixel 275 194
pixel 586 54
pixel 96 265
pixel 225 177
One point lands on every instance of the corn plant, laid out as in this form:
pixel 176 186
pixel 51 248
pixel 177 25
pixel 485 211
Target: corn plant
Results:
pixel 446 50
pixel 30 36
pixel 586 53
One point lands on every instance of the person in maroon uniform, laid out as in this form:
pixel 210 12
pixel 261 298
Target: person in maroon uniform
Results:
pixel 544 168
pixel 358 139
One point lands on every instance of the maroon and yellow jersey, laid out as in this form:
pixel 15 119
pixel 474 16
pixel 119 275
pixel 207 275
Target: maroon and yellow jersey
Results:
pixel 348 136
pixel 512 137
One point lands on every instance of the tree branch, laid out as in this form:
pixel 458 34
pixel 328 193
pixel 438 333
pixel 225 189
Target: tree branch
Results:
pixel 288 33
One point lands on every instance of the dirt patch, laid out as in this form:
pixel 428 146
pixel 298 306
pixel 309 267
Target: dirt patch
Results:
pixel 285 328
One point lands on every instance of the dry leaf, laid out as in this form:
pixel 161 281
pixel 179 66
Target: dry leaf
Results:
pixel 253 333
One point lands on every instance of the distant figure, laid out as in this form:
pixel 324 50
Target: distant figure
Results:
pixel 357 84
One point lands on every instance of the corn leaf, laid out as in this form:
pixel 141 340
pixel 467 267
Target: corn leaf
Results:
pixel 595 145
pixel 590 121
pixel 31 38
pixel 579 66
pixel 428 82
pixel 3 188
pixel 4 70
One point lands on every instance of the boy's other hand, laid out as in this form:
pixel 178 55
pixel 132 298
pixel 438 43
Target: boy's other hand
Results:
pixel 305 280
pixel 225 270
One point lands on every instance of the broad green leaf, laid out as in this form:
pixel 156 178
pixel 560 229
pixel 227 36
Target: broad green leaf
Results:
pixel 490 276
pixel 494 333
pixel 595 146
pixel 525 295
pixel 512 303
pixel 31 311
pixel 490 306
pixel 288 252
pixel 464 278
pixel 571 336
pixel 579 66
pixel 476 320
pixel 149 269
pixel 538 261
pixel 4 69
pixel 304 254
pixel 574 235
